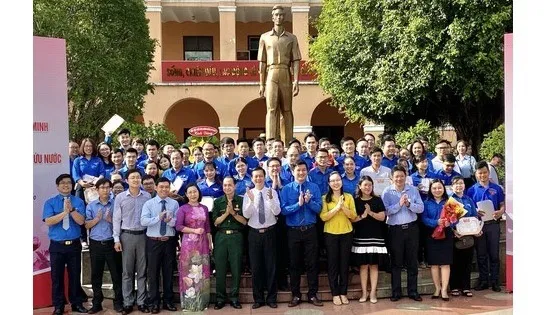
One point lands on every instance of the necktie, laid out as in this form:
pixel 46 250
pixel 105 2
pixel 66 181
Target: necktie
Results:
pixel 66 223
pixel 261 209
pixel 163 223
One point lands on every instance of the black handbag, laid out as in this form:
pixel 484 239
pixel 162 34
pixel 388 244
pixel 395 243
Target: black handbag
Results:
pixel 465 242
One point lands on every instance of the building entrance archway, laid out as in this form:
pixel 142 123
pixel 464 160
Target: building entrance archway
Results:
pixel 188 113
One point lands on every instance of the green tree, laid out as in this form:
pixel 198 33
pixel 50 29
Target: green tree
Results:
pixel 109 56
pixel 494 142
pixel 422 128
pixel 395 62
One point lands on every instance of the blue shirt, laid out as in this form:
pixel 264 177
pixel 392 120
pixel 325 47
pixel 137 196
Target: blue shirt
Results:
pixel 429 155
pixel 141 158
pixel 82 166
pixel 286 173
pixel 349 185
pixel 468 204
pixel 390 163
pixel 321 179
pixel 215 190
pixel 220 170
pixel 492 192
pixel 283 182
pixel 307 158
pixel 124 171
pixel 416 180
pixel 431 213
pixel 446 178
pixel 260 161
pixel 295 214
pixel 252 164
pixel 360 163
pixel 242 184
pixel 102 231
pixel 225 160
pixel 185 173
pixel 150 216
pixel 54 206
pixel 397 214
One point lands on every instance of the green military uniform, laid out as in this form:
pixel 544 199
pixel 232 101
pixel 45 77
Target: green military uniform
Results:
pixel 228 247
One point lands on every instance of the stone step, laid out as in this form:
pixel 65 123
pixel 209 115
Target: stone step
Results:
pixel 425 287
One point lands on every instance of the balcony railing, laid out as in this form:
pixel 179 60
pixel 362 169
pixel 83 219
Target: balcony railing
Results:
pixel 220 71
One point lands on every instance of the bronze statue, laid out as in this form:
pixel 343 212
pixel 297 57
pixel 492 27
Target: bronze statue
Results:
pixel 279 59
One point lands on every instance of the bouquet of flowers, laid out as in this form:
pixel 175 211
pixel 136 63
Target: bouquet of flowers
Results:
pixel 451 212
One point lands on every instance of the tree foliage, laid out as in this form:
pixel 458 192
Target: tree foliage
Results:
pixel 494 142
pixel 109 55
pixel 422 128
pixel 394 62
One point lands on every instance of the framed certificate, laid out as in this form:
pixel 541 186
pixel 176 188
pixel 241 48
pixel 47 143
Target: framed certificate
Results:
pixel 469 226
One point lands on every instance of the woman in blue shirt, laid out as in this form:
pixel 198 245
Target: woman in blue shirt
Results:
pixel 88 163
pixel 242 179
pixel 439 252
pixel 209 186
pixel 460 275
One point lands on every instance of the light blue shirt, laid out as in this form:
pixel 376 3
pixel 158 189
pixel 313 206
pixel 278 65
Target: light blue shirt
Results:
pixel 150 216
pixel 102 231
pixel 54 206
pixel 397 214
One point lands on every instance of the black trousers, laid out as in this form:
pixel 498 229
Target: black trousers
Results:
pixel 79 192
pixel 460 272
pixel 101 252
pixel 338 248
pixel 404 242
pixel 282 251
pixel 423 234
pixel 262 250
pixel 60 256
pixel 303 246
pixel 487 246
pixel 160 257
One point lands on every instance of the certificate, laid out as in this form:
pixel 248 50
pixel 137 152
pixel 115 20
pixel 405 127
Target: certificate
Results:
pixel 425 184
pixel 380 184
pixel 113 124
pixel 208 202
pixel 89 178
pixel 177 183
pixel 469 226
pixel 91 194
pixel 488 207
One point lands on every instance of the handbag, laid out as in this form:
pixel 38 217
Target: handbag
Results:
pixel 464 242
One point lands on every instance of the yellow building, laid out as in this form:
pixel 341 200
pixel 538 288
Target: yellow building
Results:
pixel 206 69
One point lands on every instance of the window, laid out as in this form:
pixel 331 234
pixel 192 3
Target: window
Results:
pixel 198 47
pixel 253 46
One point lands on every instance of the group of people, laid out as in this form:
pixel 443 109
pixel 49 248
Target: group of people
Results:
pixel 368 207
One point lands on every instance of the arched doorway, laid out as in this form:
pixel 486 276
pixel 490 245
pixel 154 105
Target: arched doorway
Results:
pixel 328 122
pixel 251 121
pixel 188 113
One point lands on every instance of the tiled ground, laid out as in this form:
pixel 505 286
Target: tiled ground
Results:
pixel 484 302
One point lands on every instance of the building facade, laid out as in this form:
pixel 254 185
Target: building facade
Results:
pixel 206 69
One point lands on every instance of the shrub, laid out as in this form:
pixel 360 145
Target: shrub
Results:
pixel 422 128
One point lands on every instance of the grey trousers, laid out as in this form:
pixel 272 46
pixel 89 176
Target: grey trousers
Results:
pixel 134 260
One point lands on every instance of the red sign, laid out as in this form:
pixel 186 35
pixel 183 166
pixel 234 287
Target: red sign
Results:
pixel 203 131
pixel 220 71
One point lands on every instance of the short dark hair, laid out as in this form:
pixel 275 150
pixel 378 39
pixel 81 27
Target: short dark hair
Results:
pixel 398 168
pixel 162 180
pixel 102 181
pixel 139 140
pixel 419 158
pixel 370 134
pixel 301 162
pixel 482 164
pixel 456 178
pixel 323 139
pixel 323 150
pixel 310 134
pixel 376 149
pixel 449 158
pixel 386 139
pixel 258 139
pixel 360 139
pixel 259 168
pixel 240 159
pixel 497 155
pixel 231 178
pixel 131 150
pixel 274 158
pixel 294 140
pixel 240 140
pixel 153 142
pixel 63 176
pixel 279 140
pixel 345 139
pixel 146 177
pixel 124 131
pixel 227 140
pixel 117 150
pixel 133 170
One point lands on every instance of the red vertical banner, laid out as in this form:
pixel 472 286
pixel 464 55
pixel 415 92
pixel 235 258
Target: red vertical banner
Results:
pixel 50 146
pixel 508 68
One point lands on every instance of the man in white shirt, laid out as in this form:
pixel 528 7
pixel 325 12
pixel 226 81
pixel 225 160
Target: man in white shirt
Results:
pixel 260 207
pixel 376 170
pixel 496 161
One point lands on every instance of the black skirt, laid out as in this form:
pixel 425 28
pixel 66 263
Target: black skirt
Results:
pixel 440 252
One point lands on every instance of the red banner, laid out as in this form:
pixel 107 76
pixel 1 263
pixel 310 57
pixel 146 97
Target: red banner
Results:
pixel 220 71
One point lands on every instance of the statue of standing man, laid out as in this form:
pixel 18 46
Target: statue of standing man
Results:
pixel 279 59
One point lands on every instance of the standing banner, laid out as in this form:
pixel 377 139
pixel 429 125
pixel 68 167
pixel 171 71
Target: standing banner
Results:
pixel 508 70
pixel 50 147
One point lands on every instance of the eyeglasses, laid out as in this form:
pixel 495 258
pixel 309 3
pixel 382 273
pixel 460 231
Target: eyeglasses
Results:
pixel 335 180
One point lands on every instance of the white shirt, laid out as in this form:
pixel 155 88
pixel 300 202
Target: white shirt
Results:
pixel 251 209
pixel 493 174
pixel 382 172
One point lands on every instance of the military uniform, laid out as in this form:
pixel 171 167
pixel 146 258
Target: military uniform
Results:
pixel 228 247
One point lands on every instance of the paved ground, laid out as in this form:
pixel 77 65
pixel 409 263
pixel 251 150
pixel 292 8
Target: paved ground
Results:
pixel 484 302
